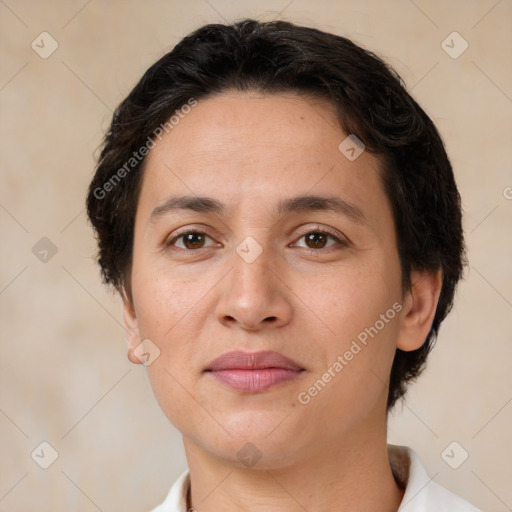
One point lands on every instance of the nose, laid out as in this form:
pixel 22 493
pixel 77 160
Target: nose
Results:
pixel 254 297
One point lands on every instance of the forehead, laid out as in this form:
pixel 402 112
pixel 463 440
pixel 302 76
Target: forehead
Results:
pixel 250 144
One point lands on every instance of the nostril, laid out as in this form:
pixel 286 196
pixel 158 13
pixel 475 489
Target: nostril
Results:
pixel 270 319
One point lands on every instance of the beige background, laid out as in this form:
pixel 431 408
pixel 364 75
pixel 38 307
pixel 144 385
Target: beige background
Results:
pixel 64 376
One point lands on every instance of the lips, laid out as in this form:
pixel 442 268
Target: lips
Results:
pixel 253 372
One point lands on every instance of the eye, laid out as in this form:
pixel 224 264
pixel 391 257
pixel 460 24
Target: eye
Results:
pixel 192 240
pixel 318 239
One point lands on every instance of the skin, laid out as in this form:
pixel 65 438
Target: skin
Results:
pixel 250 151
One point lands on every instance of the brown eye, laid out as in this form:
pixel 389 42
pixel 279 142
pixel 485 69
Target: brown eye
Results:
pixel 192 240
pixel 316 240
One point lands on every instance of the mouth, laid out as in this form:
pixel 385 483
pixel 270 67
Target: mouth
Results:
pixel 253 372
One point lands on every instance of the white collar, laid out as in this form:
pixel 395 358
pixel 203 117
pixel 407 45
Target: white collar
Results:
pixel 422 494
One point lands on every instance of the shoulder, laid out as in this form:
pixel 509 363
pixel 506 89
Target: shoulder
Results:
pixel 422 494
pixel 176 500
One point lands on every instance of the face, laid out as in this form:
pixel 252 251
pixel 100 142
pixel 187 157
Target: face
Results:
pixel 255 233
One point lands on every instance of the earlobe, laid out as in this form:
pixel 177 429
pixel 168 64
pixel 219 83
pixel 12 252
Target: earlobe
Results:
pixel 131 329
pixel 420 305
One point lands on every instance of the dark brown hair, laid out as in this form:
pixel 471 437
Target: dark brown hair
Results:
pixel 372 103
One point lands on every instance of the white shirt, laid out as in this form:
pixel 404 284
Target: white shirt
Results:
pixel 421 493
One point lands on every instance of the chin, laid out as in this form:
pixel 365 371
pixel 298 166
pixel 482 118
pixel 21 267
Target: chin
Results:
pixel 251 438
pixel 251 453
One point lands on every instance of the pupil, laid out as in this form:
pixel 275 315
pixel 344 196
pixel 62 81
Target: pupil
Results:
pixel 316 240
pixel 194 240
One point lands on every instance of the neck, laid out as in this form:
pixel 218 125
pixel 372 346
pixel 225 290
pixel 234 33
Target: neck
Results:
pixel 356 476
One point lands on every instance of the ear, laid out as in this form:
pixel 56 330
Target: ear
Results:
pixel 131 329
pixel 419 309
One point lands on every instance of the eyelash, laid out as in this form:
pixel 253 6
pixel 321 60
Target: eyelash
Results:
pixel 322 231
pixel 319 230
pixel 188 232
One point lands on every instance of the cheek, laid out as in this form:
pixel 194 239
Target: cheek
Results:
pixel 172 311
pixel 355 377
pixel 170 314
pixel 361 310
pixel 348 300
pixel 162 299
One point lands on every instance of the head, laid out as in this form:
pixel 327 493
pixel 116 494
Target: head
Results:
pixel 310 146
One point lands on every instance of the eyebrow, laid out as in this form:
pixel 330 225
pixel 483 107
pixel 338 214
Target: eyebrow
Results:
pixel 311 203
pixel 304 203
